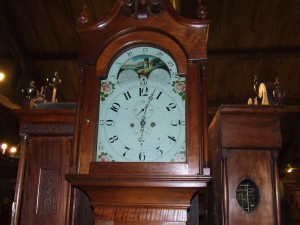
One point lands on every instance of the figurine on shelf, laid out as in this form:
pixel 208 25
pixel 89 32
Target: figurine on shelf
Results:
pixel 47 93
pixel 267 93
pixel 51 88
pixel 32 95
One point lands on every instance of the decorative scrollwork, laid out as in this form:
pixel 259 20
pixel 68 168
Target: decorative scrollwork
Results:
pixel 142 8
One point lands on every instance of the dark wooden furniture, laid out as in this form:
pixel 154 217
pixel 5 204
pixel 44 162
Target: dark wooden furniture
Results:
pixel 244 144
pixel 42 193
pixel 142 193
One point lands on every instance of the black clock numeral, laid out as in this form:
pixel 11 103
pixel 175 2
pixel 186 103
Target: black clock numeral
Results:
pixel 113 139
pixel 143 91
pixel 159 94
pixel 127 149
pixel 109 123
pixel 176 123
pixel 145 49
pixel 118 64
pixel 127 95
pixel 142 156
pixel 129 53
pixel 171 106
pixel 176 75
pixel 143 82
pixel 171 63
pixel 160 152
pixel 115 106
pixel 159 54
pixel 172 138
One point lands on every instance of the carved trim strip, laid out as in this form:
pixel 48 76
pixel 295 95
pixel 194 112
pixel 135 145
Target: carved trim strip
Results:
pixel 140 214
pixel 47 192
pixel 32 128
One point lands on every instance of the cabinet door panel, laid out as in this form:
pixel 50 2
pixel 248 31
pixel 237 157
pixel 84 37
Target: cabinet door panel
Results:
pixel 45 189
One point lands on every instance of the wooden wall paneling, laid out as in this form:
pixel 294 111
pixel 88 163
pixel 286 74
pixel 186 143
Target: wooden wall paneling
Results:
pixel 295 206
pixel 56 13
pixel 231 74
pixel 47 38
pixel 26 31
pixel 284 28
pixel 288 74
pixel 292 198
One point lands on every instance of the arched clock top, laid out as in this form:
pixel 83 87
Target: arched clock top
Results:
pixel 145 38
pixel 137 9
pixel 95 37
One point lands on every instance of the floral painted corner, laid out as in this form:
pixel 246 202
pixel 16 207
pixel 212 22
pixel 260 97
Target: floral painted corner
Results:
pixel 107 87
pixel 180 156
pixel 179 87
pixel 103 156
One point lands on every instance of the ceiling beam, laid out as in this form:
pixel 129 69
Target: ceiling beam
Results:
pixel 285 52
pixel 15 46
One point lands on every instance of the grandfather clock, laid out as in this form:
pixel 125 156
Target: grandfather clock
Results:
pixel 244 143
pixel 142 129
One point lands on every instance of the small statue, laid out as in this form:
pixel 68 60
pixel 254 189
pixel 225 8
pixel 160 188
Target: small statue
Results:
pixel 30 92
pixel 46 93
pixel 267 93
pixel 51 88
pixel 32 95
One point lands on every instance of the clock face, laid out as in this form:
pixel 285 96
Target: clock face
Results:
pixel 142 109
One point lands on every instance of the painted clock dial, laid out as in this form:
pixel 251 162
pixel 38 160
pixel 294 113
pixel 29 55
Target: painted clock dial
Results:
pixel 142 109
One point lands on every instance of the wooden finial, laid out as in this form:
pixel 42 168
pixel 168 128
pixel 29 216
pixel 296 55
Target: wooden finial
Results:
pixel 142 9
pixel 129 7
pixel 278 92
pixel 201 11
pixel 155 6
pixel 83 15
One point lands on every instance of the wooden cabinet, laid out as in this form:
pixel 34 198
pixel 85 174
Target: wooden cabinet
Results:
pixel 46 158
pixel 244 144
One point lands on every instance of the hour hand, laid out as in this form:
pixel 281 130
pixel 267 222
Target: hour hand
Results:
pixel 142 110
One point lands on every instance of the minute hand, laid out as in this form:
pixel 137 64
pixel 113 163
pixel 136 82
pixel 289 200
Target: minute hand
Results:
pixel 143 122
pixel 148 103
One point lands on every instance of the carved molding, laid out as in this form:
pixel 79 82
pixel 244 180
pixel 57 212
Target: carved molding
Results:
pixel 37 128
pixel 47 192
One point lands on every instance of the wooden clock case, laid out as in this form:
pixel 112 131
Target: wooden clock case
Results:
pixel 141 193
pixel 244 144
pixel 42 194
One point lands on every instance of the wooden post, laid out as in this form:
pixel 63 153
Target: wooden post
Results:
pixel 19 184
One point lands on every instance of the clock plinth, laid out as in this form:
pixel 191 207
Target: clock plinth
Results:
pixel 139 199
